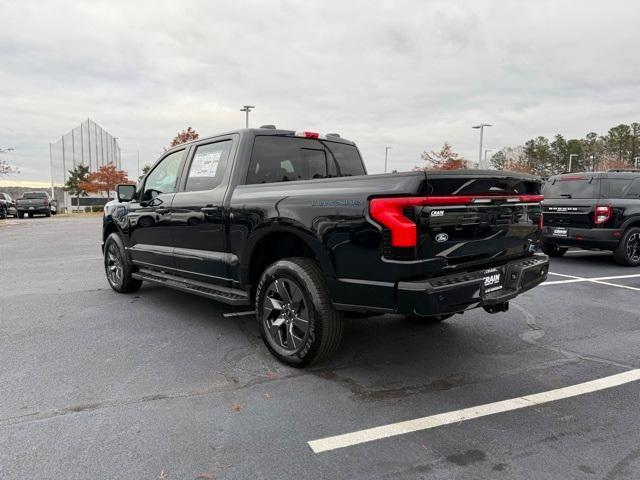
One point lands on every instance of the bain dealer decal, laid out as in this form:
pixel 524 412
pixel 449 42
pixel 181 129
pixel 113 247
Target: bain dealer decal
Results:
pixel 437 213
pixel 442 237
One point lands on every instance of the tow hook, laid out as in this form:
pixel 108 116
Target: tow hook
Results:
pixel 497 308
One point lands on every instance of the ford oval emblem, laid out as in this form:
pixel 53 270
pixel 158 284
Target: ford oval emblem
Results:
pixel 442 237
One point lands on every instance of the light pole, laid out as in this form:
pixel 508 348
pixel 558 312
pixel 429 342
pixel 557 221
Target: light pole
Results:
pixel 481 127
pixel 247 109
pixel 485 156
pixel 386 157
pixel 571 155
pixel 637 162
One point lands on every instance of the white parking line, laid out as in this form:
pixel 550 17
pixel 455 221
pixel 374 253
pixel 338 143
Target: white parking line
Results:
pixel 425 423
pixel 583 279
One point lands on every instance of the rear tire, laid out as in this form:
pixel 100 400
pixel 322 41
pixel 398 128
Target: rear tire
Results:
pixel 30 215
pixel 429 319
pixel 3 212
pixel 296 317
pixel 553 250
pixel 117 266
pixel 628 252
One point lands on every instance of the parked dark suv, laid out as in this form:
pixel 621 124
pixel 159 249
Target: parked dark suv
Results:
pixel 593 210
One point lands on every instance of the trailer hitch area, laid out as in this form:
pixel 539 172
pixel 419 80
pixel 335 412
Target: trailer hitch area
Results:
pixel 497 307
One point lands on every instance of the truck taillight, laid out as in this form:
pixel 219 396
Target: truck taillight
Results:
pixel 602 214
pixel 388 212
pixel 541 226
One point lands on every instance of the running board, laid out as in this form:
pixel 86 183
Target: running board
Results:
pixel 230 296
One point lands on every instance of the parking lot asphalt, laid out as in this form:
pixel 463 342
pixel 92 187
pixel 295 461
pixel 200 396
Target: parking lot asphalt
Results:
pixel 159 385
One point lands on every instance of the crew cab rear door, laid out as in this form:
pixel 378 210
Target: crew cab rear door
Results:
pixel 198 216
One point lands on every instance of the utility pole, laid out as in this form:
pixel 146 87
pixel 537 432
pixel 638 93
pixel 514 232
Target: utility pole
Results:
pixel 51 168
pixel 247 109
pixel 481 127
pixel 386 157
pixel 571 155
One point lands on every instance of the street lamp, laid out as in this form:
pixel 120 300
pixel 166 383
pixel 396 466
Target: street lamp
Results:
pixel 571 155
pixel 481 127
pixel 637 162
pixel 247 109
pixel 386 157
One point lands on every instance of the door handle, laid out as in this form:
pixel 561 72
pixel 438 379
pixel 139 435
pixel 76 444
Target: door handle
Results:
pixel 162 211
pixel 209 210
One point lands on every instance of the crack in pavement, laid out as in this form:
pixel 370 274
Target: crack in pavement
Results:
pixel 536 333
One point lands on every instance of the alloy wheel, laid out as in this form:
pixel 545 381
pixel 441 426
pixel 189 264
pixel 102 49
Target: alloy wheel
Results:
pixel 285 316
pixel 114 265
pixel 633 247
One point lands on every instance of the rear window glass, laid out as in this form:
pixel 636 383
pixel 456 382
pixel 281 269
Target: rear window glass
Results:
pixel 34 195
pixel 572 187
pixel 285 159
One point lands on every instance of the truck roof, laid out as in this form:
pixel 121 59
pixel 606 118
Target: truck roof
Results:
pixel 331 137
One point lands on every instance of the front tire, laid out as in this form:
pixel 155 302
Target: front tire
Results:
pixel 553 250
pixel 628 252
pixel 117 266
pixel 47 213
pixel 296 318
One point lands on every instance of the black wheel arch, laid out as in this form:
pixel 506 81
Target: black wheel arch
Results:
pixel 276 242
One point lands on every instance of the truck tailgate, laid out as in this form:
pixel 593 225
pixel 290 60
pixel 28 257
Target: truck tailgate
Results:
pixel 463 220
pixel 477 233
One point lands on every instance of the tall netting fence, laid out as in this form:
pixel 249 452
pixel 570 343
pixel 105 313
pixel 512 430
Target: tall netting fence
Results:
pixel 88 144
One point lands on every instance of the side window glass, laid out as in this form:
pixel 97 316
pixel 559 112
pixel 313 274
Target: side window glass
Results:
pixel 163 177
pixel 634 190
pixel 208 165
pixel 617 187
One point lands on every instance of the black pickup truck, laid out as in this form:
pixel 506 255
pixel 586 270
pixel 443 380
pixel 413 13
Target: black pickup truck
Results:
pixel 34 203
pixel 593 210
pixel 289 224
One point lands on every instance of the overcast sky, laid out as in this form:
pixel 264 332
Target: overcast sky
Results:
pixel 410 75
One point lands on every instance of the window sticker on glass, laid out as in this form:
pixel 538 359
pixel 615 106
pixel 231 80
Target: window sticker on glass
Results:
pixel 205 163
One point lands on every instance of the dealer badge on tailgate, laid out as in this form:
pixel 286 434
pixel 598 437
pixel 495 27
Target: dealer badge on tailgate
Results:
pixel 492 280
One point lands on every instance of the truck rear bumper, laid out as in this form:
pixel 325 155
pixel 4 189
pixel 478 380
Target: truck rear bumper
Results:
pixel 604 238
pixel 463 291
pixel 42 209
pixel 449 293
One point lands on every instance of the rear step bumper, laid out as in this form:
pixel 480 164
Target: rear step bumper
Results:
pixel 226 295
pixel 466 290
pixel 605 238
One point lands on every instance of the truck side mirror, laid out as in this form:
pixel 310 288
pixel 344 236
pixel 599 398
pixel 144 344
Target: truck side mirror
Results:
pixel 126 192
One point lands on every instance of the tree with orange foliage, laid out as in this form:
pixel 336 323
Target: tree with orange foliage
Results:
pixel 445 159
pixel 184 136
pixel 105 180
